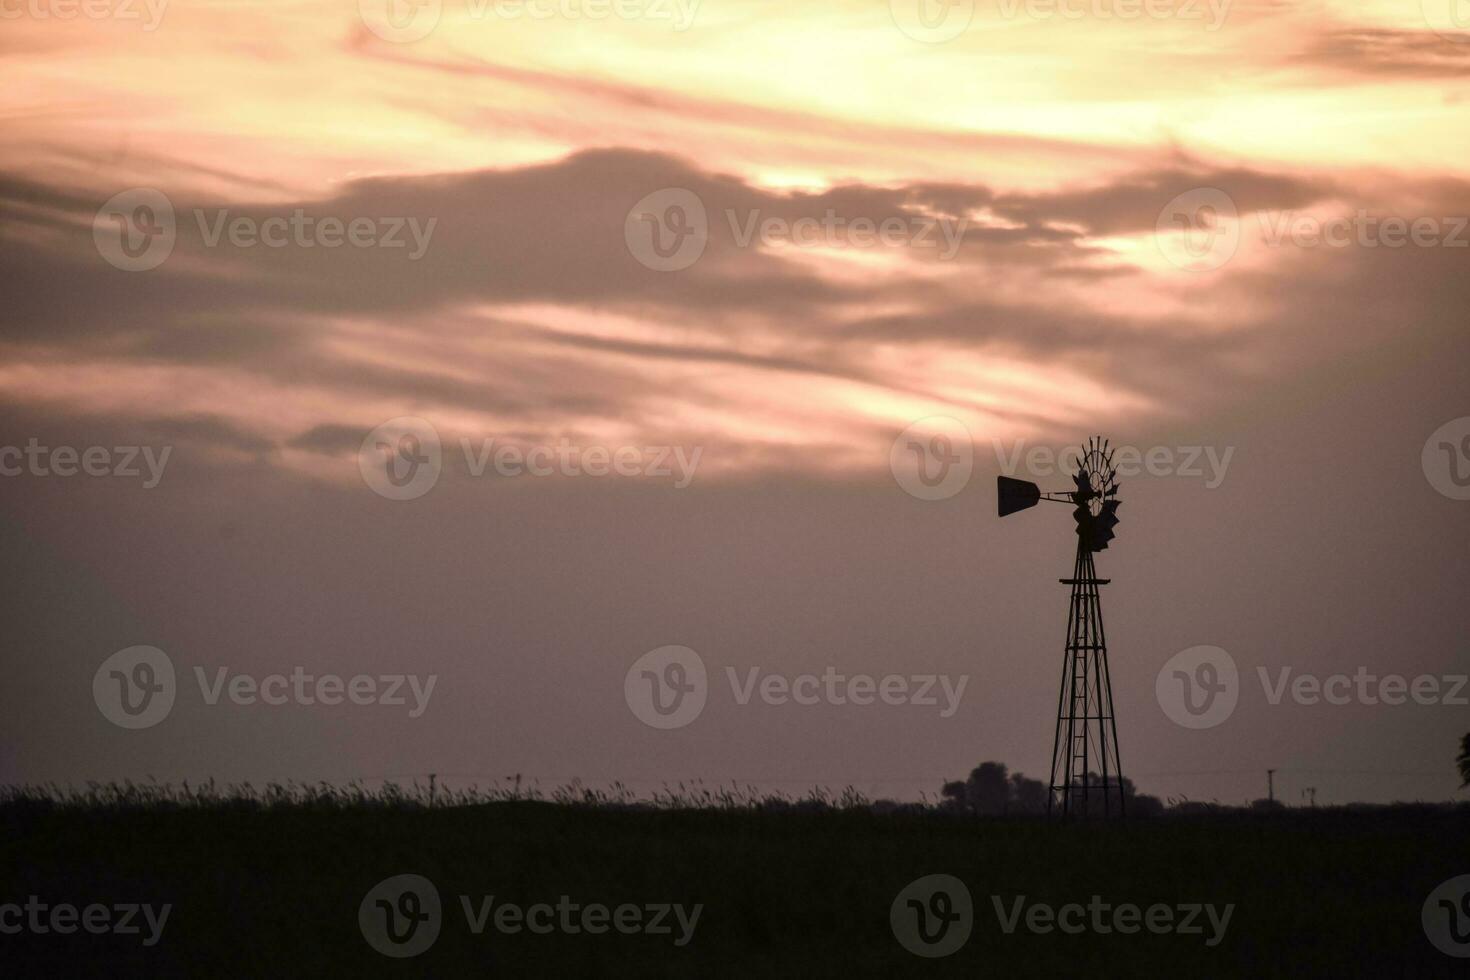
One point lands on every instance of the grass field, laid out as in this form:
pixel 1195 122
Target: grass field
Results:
pixel 271 885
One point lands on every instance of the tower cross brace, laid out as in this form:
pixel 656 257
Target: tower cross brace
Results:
pixel 1086 777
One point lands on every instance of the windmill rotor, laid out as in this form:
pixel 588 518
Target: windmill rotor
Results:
pixel 1096 513
pixel 1093 496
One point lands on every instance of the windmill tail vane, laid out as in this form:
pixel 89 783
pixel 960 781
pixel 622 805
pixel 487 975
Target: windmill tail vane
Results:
pixel 1086 776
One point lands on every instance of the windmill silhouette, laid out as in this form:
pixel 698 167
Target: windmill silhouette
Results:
pixel 1086 776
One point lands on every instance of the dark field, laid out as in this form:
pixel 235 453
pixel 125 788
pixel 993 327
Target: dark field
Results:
pixel 799 890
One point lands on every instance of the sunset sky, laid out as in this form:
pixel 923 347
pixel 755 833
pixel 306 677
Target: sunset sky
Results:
pixel 1053 140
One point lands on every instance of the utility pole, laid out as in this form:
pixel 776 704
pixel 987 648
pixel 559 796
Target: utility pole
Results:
pixel 1271 784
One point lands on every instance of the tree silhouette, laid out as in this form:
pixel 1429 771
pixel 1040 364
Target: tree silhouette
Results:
pixel 988 788
pixel 991 790
pixel 1464 760
pixel 1027 795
